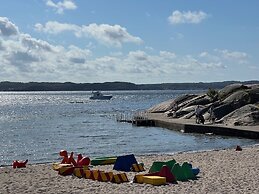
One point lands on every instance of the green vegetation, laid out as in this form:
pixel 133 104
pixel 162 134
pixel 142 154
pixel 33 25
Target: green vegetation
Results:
pixel 213 94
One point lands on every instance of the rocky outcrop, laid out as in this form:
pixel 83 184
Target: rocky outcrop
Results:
pixel 170 104
pixel 230 89
pixel 235 104
pixel 246 115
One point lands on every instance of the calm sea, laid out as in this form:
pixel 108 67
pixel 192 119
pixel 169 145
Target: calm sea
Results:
pixel 37 125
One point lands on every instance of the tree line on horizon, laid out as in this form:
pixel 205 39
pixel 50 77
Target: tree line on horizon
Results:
pixel 112 86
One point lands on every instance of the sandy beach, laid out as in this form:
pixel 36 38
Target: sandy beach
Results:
pixel 222 171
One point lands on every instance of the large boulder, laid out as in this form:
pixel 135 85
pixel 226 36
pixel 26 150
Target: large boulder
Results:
pixel 228 90
pixel 162 107
pixel 189 115
pixel 223 110
pixel 240 97
pixel 254 94
pixel 231 103
pixel 181 100
pixel 253 86
pixel 246 115
pixel 184 111
pixel 170 104
pixel 191 101
pixel 201 100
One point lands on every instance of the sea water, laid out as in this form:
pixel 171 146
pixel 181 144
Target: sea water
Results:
pixel 37 125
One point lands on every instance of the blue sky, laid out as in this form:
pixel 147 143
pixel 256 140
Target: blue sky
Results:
pixel 144 41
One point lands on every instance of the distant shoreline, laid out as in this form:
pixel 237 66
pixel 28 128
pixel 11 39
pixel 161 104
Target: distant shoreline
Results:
pixel 113 86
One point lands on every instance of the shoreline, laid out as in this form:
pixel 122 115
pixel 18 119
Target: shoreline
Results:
pixel 149 154
pixel 222 171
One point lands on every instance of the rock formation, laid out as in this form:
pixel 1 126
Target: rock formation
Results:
pixel 235 104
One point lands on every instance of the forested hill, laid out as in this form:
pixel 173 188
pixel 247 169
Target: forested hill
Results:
pixel 111 86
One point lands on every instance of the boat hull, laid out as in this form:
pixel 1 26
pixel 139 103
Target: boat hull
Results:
pixel 101 98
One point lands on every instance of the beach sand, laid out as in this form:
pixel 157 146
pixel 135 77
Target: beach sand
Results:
pixel 222 171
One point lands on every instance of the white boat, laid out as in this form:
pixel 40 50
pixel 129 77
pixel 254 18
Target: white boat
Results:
pixel 97 95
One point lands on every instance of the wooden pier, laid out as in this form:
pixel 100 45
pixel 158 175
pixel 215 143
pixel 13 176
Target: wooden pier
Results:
pixel 138 119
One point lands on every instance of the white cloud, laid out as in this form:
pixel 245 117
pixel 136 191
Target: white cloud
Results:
pixel 116 54
pixel 26 58
pixel 194 17
pixel 7 28
pixel 203 54
pixel 77 55
pixel 29 59
pixel 149 48
pixel 214 57
pixel 34 44
pixel 236 56
pixel 111 35
pixel 225 56
pixel 138 55
pixel 22 60
pixel 213 65
pixel 233 54
pixel 167 54
pixel 1 45
pixel 53 27
pixel 62 5
pixel 106 34
pixel 25 54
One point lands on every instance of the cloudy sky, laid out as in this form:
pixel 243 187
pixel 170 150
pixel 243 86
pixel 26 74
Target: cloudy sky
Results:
pixel 139 41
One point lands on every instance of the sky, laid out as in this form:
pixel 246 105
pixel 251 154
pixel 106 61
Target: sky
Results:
pixel 138 41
